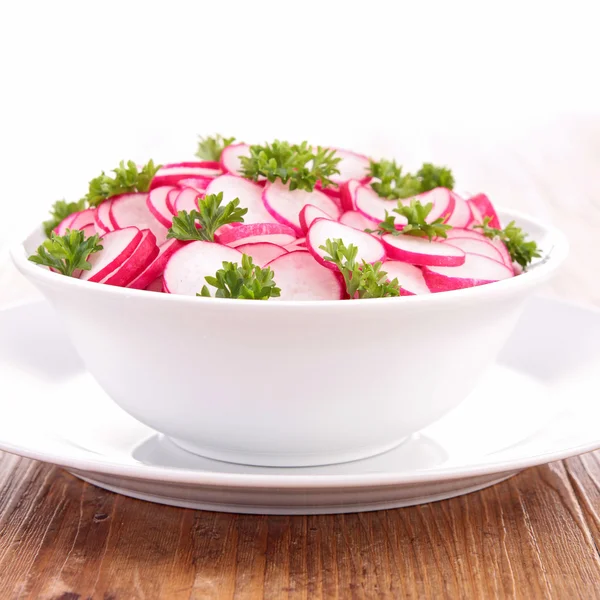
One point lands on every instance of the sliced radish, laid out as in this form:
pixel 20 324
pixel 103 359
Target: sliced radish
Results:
pixel 157 204
pixel 409 277
pixel 352 166
pixel 477 216
pixel 172 173
pixel 131 210
pixel 443 201
pixel 473 246
pixel 486 209
pixel 370 249
pixel 157 266
pixel 187 268
pixel 373 207
pixel 420 251
pixel 353 218
pixel 83 218
pixel 230 158
pixel 458 232
pixel 199 184
pixel 476 235
pixel 461 215
pixel 262 252
pixel 499 245
pixel 187 199
pixel 89 230
pixel 141 257
pixel 476 270
pixel 348 194
pixel 171 197
pixel 285 205
pixel 310 213
pixel 65 224
pixel 102 217
pixel 156 285
pixel 298 244
pixel 300 277
pixel 118 246
pixel 275 233
pixel 249 194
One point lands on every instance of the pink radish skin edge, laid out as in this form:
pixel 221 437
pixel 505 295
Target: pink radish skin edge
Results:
pixel 309 214
pixel 236 235
pixel 142 256
pixel 156 268
pixel 155 201
pixel 262 252
pixel 102 217
pixel 411 253
pixel 486 209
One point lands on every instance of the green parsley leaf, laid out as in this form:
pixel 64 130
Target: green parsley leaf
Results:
pixel 521 251
pixel 391 183
pixel 210 216
pixel 210 148
pixel 127 179
pixel 248 282
pixel 60 210
pixel 362 280
pixel 300 164
pixel 67 253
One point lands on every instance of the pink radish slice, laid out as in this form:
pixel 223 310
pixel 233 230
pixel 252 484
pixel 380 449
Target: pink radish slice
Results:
pixel 476 270
pixel 230 158
pixel 65 224
pixel 298 244
pixel 249 194
pixel 157 266
pixel 458 232
pixel 187 268
pixel 372 207
pixel 89 230
pixel 477 216
pixel 256 232
pixel 130 210
pixel 198 183
pixel 156 285
pixel 83 218
pixel 142 256
pixel 475 235
pixel 157 204
pixel 332 191
pixel 353 218
pixel 187 200
pixel 420 251
pixel 409 277
pixel 285 205
pixel 443 201
pixel 300 277
pixel 310 213
pixel 486 208
pixel 499 245
pixel 172 173
pixel 473 246
pixel 262 252
pixel 171 197
pixel 102 217
pixel 461 215
pixel 352 166
pixel 348 194
pixel 118 246
pixel 370 249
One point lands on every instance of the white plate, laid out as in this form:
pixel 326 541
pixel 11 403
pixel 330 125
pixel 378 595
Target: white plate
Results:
pixel 537 404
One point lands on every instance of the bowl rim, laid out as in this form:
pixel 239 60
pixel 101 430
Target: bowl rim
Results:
pixel 550 262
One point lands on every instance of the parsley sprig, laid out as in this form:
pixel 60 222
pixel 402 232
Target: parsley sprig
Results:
pixel 209 216
pixel 67 253
pixel 210 148
pixel 246 282
pixel 390 182
pixel 60 210
pixel 362 280
pixel 416 215
pixel 299 164
pixel 521 251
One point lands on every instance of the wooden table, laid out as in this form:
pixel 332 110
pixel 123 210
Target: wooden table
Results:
pixel 536 535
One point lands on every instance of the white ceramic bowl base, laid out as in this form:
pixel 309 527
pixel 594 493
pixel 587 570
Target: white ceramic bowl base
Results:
pixel 290 383
pixel 536 403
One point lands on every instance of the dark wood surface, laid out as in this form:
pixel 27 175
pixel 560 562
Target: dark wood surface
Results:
pixel 536 535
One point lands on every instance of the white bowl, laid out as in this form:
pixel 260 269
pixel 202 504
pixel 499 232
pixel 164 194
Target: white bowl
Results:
pixel 290 383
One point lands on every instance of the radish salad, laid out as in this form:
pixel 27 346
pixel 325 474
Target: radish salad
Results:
pixel 281 221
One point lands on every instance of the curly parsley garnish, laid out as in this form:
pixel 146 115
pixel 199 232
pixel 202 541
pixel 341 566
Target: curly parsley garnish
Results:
pixel 246 282
pixel 362 280
pixel 210 148
pixel 60 210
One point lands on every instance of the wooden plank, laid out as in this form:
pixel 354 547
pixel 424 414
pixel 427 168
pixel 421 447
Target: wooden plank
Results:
pixel 533 536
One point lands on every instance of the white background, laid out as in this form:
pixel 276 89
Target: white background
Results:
pixel 507 94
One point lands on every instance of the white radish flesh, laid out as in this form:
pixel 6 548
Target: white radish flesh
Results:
pixel 198 184
pixel 348 194
pixel 102 217
pixel 370 249
pixel 461 215
pixel 285 205
pixel 118 246
pixel 310 213
pixel 157 204
pixel 131 210
pixel 477 216
pixel 187 268
pixel 90 230
pixel 476 270
pixel 352 166
pixel 230 158
pixel 249 194
pixel 420 251
pixel 409 277
pixel 83 218
pixel 275 233
pixel 353 218
pixel 187 200
pixel 262 252
pixel 486 209
pixel 371 206
pixel 476 235
pixel 156 268
pixel 473 246
pixel 300 277
pixel 298 244
pixel 443 201
pixel 141 257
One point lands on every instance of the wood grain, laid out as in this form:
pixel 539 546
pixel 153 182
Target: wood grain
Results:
pixel 533 536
